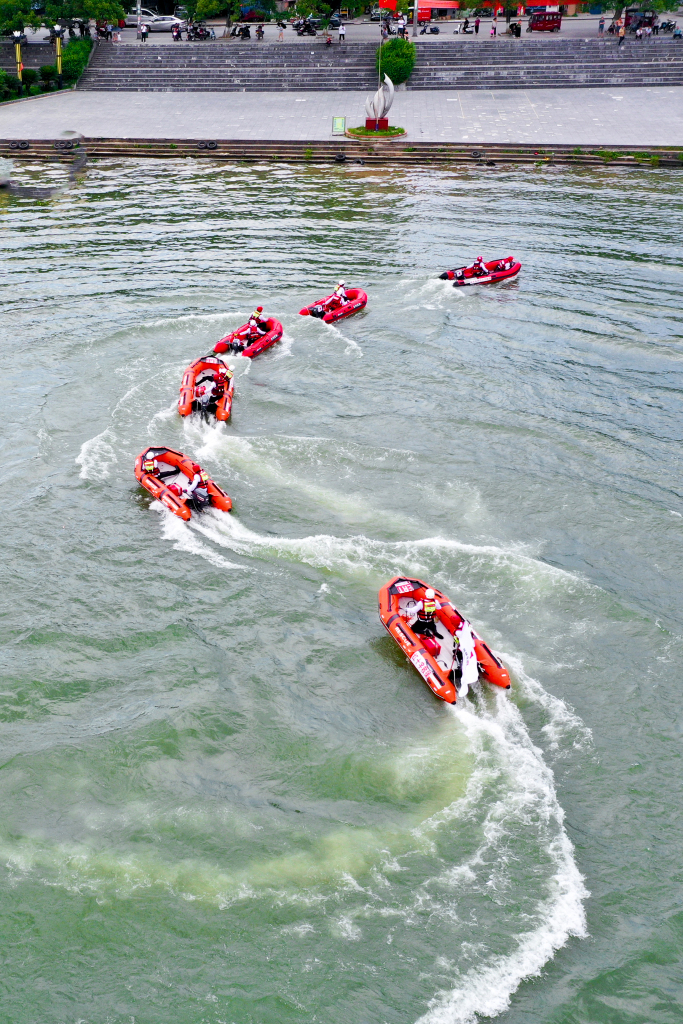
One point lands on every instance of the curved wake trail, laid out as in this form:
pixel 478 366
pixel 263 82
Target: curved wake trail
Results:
pixel 511 799
pixel 530 800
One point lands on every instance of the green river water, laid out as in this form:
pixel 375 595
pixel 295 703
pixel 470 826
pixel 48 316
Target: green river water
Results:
pixel 226 796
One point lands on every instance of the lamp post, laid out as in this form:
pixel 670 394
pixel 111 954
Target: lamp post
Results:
pixel 415 18
pixel 17 53
pixel 59 32
pixel 138 11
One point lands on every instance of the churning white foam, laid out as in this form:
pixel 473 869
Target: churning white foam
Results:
pixel 184 539
pixel 358 552
pixel 564 728
pixel 485 990
pixel 97 455
pixel 283 349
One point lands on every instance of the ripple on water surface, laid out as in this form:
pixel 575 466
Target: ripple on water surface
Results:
pixel 227 796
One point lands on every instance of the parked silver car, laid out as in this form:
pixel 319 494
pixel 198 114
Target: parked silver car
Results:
pixel 147 16
pixel 165 23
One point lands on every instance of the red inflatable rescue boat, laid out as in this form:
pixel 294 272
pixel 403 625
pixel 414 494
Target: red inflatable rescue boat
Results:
pixel 170 479
pixel 498 270
pixel 203 389
pixel 241 342
pixel 326 309
pixel 449 655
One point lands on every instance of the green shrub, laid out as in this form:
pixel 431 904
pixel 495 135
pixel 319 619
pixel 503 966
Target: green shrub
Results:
pixel 396 58
pixel 47 73
pixel 74 59
pixel 10 86
pixel 29 77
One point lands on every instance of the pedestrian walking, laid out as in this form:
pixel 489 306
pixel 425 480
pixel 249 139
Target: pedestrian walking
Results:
pixel 342 32
pixel 110 32
pixel 622 36
pixel 144 32
pixel 601 27
pixel 477 23
pixel 281 33
pixel 494 27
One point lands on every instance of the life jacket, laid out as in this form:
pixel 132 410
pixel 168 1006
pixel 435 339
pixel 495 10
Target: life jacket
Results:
pixel 149 466
pixel 203 478
pixel 428 609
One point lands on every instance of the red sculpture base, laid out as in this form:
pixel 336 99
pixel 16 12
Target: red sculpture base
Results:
pixel 377 125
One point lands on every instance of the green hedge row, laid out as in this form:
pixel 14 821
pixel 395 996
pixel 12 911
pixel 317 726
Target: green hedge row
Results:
pixel 74 59
pixel 396 58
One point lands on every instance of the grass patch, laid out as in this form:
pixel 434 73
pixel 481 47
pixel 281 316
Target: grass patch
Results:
pixel 367 133
pixel 608 155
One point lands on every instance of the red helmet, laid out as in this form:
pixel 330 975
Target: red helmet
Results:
pixel 176 490
pixel 196 468
pixel 259 309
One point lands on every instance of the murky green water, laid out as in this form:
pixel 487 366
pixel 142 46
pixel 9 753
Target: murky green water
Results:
pixel 226 796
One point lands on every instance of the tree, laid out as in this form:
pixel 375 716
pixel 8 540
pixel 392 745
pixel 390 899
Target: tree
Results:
pixel 17 14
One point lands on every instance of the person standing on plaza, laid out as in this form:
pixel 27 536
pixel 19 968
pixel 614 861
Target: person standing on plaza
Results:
pixel 144 32
pixel 281 33
pixel 477 23
pixel 342 32
pixel 601 27
pixel 622 36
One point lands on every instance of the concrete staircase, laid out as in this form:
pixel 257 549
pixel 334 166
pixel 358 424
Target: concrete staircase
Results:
pixel 546 64
pixel 447 64
pixel 345 151
pixel 231 67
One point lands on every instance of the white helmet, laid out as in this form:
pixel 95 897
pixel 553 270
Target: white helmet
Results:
pixel 429 594
pixel 342 284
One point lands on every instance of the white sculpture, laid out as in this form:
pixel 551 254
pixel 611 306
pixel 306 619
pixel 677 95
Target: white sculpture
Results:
pixel 378 106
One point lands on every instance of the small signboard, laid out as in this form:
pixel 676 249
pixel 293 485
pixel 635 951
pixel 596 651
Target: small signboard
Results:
pixel 339 126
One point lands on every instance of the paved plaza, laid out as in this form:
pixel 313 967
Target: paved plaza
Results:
pixel 587 117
